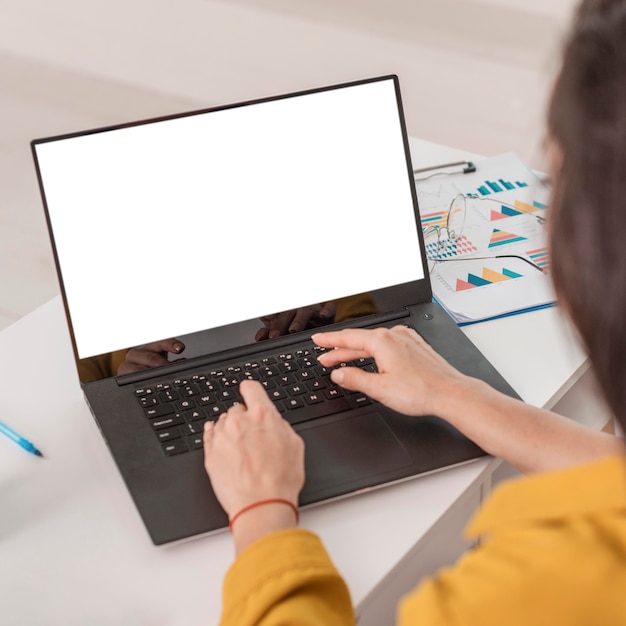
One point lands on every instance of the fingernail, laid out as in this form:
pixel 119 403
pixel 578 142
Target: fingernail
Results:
pixel 179 347
pixel 337 375
pixel 208 425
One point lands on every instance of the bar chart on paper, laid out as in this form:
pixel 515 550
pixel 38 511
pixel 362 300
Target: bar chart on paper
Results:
pixel 518 207
pixel 502 238
pixel 489 187
pixel 498 264
pixel 487 277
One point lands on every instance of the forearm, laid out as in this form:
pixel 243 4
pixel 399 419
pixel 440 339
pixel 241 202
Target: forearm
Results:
pixel 260 522
pixel 528 438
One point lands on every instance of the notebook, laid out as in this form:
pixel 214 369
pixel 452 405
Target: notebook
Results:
pixel 236 232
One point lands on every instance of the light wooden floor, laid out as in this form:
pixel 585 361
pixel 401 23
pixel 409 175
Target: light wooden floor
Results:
pixel 475 74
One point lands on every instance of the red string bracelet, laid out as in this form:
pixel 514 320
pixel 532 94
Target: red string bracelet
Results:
pixel 260 503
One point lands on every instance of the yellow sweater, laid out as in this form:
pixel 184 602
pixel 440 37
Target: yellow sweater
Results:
pixel 553 552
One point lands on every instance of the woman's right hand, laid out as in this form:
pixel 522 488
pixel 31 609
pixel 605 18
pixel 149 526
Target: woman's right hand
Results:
pixel 411 379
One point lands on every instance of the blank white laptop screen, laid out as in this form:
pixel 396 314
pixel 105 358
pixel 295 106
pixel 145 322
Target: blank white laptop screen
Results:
pixel 173 226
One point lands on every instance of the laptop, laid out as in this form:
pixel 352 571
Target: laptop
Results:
pixel 235 233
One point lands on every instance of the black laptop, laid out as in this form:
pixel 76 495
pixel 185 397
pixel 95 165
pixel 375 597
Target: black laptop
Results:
pixel 237 232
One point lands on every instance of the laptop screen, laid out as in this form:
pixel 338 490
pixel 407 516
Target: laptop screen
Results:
pixel 206 226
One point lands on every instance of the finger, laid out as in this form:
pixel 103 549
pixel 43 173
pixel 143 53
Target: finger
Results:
pixel 402 329
pixel 207 435
pixel 356 379
pixel 219 423
pixel 254 394
pixel 352 338
pixel 340 355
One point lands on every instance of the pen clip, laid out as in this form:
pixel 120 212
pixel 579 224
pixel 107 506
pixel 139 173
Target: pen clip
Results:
pixel 468 168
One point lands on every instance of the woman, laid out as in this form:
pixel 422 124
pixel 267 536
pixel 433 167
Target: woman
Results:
pixel 553 547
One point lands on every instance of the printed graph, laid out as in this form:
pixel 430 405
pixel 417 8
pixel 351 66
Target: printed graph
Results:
pixel 490 187
pixel 503 238
pixel 518 208
pixel 453 248
pixel 434 220
pixel 540 257
pixel 487 277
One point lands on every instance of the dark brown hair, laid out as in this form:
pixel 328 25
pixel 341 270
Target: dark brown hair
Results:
pixel 587 118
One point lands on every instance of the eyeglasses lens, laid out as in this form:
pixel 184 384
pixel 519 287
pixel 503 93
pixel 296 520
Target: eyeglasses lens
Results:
pixel 456 217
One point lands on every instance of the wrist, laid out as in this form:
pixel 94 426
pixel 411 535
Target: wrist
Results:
pixel 251 524
pixel 459 394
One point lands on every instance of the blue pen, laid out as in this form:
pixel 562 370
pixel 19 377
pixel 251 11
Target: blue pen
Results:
pixel 19 440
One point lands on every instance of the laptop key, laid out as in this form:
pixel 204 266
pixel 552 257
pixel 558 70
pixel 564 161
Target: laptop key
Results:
pixel 313 398
pixel 277 394
pixel 359 399
pixel 215 411
pixel 196 428
pixel 185 405
pixel 195 442
pixel 168 435
pixel 175 447
pixel 167 422
pixel 315 385
pixel 293 403
pixel 159 410
pixel 296 390
pixel 333 392
pixel 168 395
pixel 194 415
pixel 313 411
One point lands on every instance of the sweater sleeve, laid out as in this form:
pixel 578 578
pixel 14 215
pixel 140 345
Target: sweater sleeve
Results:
pixel 285 578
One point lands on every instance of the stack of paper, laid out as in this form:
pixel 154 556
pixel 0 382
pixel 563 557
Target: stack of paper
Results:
pixel 499 265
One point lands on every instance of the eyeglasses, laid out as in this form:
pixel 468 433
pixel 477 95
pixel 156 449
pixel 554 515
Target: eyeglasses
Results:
pixel 441 239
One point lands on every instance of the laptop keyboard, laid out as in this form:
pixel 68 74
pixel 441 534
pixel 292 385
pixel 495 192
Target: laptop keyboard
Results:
pixel 298 385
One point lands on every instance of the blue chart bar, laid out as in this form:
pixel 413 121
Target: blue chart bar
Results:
pixel 539 205
pixel 477 281
pixel 509 211
pixel 521 184
pixel 491 186
pixel 510 273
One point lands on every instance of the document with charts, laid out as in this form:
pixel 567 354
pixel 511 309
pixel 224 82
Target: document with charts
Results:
pixel 496 263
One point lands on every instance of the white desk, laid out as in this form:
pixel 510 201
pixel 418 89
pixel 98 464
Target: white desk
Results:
pixel 73 549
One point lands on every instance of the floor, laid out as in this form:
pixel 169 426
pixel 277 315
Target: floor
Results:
pixel 475 74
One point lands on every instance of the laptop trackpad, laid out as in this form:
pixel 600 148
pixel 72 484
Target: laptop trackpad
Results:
pixel 349 453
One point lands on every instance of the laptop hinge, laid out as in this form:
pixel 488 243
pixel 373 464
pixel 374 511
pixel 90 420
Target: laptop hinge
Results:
pixel 236 354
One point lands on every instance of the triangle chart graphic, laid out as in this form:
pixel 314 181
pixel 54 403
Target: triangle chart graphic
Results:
pixel 462 285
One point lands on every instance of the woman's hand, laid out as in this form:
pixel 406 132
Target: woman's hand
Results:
pixel 411 379
pixel 253 454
